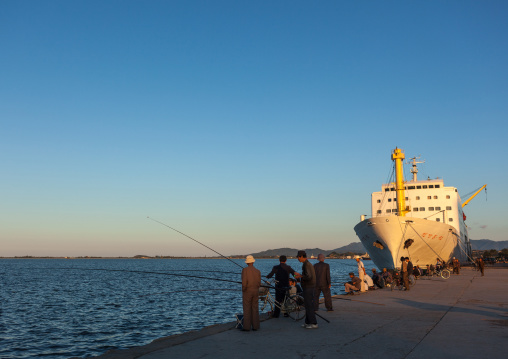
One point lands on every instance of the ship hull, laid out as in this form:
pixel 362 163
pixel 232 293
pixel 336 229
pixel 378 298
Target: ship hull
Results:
pixel 387 238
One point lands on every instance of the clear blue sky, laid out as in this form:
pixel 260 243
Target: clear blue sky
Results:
pixel 247 125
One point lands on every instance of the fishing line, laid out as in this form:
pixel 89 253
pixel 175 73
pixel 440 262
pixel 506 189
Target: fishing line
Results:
pixel 147 272
pixel 190 290
pixel 195 240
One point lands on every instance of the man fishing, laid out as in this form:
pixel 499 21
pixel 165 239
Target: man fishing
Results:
pixel 251 281
pixel 282 272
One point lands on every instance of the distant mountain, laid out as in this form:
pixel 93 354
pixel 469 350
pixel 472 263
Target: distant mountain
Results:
pixel 486 244
pixel 355 247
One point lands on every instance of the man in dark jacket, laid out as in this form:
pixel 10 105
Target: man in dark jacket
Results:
pixel 282 272
pixel 308 280
pixel 323 283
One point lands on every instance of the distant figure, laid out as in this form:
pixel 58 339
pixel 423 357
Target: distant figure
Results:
pixel 456 266
pixel 438 265
pixel 308 280
pixel 387 276
pixel 353 285
pixel 378 280
pixel 323 283
pixel 417 272
pixel 481 265
pixel 405 274
pixel 361 272
pixel 281 272
pixel 251 281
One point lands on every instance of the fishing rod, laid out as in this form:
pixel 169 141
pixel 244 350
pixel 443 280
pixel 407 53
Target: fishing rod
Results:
pixel 149 272
pixel 195 240
pixel 190 290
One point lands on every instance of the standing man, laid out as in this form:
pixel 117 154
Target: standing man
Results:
pixel 405 273
pixel 323 283
pixel 308 280
pixel 361 273
pixel 281 272
pixel 251 281
pixel 481 265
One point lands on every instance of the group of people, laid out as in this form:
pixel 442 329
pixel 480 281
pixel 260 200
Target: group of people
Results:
pixel 314 280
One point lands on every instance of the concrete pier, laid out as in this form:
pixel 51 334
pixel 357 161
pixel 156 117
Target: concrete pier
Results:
pixel 464 316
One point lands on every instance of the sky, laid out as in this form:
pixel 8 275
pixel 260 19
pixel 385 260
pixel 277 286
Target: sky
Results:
pixel 247 125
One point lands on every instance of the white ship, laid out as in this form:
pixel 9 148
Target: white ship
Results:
pixel 422 220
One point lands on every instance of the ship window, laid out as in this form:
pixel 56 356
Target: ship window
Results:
pixel 389 199
pixel 378 201
pixel 438 208
pixel 407 198
pixel 424 186
pixel 388 210
pixel 448 208
pixel 392 189
pixel 418 187
pixel 422 209
pixel 415 209
pixel 378 211
pixel 435 197
pixel 431 208
pixel 437 186
pixel 431 186
pixel 447 196
pixel 429 197
pixel 438 220
pixel 387 189
pixel 411 187
pixel 417 198
pixel 450 219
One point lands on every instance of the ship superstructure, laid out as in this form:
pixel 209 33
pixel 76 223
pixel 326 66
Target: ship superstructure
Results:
pixel 419 219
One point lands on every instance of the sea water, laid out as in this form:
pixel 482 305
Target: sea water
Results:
pixel 60 308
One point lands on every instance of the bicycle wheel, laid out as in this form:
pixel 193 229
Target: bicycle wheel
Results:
pixel 445 274
pixel 294 307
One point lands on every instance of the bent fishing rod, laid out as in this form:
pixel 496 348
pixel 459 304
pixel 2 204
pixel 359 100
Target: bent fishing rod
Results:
pixel 195 240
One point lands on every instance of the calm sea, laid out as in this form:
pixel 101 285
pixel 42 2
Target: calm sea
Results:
pixel 59 308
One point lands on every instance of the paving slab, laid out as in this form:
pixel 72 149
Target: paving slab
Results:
pixel 464 316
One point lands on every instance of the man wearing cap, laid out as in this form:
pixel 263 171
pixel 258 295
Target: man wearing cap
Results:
pixel 323 283
pixel 281 272
pixel 251 281
pixel 308 280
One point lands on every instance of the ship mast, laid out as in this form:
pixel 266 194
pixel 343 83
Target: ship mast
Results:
pixel 398 156
pixel 414 169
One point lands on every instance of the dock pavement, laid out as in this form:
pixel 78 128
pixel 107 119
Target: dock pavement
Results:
pixel 465 316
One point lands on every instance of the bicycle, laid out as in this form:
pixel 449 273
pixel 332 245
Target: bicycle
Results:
pixel 398 283
pixel 292 304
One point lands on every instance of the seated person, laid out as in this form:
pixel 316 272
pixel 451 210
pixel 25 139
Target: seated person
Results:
pixel 417 272
pixel 387 276
pixel 353 285
pixel 295 287
pixel 378 280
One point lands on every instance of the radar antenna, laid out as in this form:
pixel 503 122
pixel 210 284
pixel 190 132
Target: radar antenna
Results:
pixel 413 162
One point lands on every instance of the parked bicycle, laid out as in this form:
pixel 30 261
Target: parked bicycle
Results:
pixel 292 304
pixel 398 283
pixel 443 273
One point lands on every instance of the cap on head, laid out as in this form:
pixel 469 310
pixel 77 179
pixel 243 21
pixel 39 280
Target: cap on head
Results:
pixel 351 273
pixel 249 259
pixel 302 254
